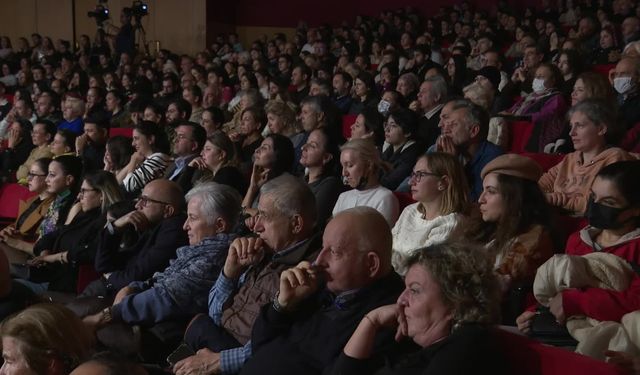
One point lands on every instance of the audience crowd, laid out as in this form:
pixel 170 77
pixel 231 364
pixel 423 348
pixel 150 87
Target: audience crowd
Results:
pixel 349 200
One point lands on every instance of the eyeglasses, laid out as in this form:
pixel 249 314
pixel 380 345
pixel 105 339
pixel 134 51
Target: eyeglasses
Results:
pixel 84 191
pixel 33 175
pixel 417 176
pixel 144 200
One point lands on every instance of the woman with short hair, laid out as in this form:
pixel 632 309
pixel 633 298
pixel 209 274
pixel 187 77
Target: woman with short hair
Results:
pixel 593 129
pixel 450 301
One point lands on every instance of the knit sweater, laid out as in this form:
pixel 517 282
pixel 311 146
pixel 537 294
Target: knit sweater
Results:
pixel 412 232
pixel 380 198
pixel 569 181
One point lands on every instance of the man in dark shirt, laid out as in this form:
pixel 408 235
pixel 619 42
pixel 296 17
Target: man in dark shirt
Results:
pixel 158 218
pixel 90 146
pixel 319 305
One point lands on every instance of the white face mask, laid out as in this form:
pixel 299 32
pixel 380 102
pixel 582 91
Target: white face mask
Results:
pixel 383 107
pixel 623 85
pixel 538 85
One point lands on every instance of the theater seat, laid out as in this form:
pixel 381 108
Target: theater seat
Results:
pixel 404 199
pixel 631 140
pixel 519 134
pixel 86 274
pixel 347 121
pixel 10 196
pixel 546 161
pixel 127 132
pixel 529 357
pixel 603 69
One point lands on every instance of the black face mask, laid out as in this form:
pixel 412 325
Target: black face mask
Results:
pixel 604 217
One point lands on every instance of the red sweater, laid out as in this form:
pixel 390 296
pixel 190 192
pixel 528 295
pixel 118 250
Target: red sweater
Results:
pixel 597 303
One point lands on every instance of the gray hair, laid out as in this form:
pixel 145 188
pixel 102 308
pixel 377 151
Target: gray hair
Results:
pixel 411 79
pixel 314 103
pixel 474 115
pixel 600 113
pixel 438 87
pixel 291 196
pixel 217 200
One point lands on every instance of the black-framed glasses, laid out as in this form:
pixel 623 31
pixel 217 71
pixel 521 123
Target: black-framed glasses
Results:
pixel 33 175
pixel 144 200
pixel 418 175
pixel 84 191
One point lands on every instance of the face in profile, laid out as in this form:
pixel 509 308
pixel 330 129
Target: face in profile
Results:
pixel 14 361
pixel 491 200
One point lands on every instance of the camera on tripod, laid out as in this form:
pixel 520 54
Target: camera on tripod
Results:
pixel 100 13
pixel 138 10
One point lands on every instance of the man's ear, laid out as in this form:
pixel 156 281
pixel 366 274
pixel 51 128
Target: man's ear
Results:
pixel 373 264
pixel 327 157
pixel 297 224
pixel 169 210
pixel 475 130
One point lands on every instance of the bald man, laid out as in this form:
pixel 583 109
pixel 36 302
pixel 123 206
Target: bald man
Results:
pixel 625 79
pixel 319 305
pixel 158 220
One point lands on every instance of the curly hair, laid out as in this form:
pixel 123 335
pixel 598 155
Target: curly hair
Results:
pixel 468 285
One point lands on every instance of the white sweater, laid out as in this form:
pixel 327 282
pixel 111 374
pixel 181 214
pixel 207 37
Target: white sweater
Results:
pixel 412 232
pixel 380 198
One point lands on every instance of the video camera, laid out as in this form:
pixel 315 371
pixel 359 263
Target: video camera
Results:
pixel 100 13
pixel 138 10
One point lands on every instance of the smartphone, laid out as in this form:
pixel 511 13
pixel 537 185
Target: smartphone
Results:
pixel 183 351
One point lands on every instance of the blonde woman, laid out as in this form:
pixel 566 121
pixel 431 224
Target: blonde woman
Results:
pixel 361 167
pixel 439 186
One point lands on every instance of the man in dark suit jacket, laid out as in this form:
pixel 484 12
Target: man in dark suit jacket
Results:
pixel 187 145
pixel 158 218
pixel 432 96
pixel 319 305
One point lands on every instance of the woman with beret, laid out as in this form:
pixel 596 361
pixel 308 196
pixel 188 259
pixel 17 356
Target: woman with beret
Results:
pixel 513 221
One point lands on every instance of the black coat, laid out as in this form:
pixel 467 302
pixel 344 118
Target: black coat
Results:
pixel 402 162
pixel 150 254
pixel 79 239
pixel 471 349
pixel 311 339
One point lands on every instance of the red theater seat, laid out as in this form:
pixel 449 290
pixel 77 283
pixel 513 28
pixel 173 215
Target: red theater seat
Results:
pixel 10 196
pixel 404 199
pixel 519 134
pixel 529 357
pixel 546 161
pixel 127 132
pixel 603 69
pixel 347 121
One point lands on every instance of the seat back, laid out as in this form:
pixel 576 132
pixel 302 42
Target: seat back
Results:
pixel 404 199
pixel 127 132
pixel 519 134
pixel 347 121
pixel 10 197
pixel 530 357
pixel 546 161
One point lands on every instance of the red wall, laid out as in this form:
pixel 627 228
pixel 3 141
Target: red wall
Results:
pixel 287 13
